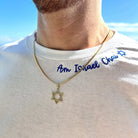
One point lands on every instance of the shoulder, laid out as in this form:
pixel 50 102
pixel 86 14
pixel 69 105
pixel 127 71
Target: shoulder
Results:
pixel 19 47
pixel 125 44
pixel 124 50
pixel 122 41
pixel 15 54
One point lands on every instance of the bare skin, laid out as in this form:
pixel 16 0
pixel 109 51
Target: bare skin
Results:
pixel 74 28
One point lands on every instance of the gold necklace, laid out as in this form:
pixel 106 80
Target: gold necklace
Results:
pixel 57 96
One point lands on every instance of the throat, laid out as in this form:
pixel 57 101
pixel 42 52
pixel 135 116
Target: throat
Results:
pixel 71 29
pixel 72 39
pixel 68 41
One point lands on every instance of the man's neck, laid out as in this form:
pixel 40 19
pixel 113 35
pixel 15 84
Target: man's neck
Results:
pixel 74 28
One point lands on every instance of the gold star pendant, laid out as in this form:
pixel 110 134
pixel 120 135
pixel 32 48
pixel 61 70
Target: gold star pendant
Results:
pixel 57 96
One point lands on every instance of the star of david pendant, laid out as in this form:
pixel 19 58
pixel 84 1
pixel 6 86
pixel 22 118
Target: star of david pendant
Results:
pixel 57 95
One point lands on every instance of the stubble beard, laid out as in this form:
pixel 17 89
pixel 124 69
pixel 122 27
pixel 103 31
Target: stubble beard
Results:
pixel 48 6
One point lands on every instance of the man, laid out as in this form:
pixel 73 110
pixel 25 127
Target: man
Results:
pixel 72 78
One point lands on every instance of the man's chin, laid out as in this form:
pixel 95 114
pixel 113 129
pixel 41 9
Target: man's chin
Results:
pixel 48 6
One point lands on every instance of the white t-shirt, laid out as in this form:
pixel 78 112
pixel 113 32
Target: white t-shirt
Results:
pixel 100 102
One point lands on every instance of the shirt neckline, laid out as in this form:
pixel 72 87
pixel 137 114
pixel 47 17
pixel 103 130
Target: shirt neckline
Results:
pixel 48 53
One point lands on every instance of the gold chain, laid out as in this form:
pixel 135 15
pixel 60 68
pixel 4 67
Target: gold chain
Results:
pixel 60 84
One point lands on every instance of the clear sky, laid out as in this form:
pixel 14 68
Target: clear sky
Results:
pixel 18 18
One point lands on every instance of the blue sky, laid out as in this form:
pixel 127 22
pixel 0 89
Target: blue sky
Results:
pixel 18 18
